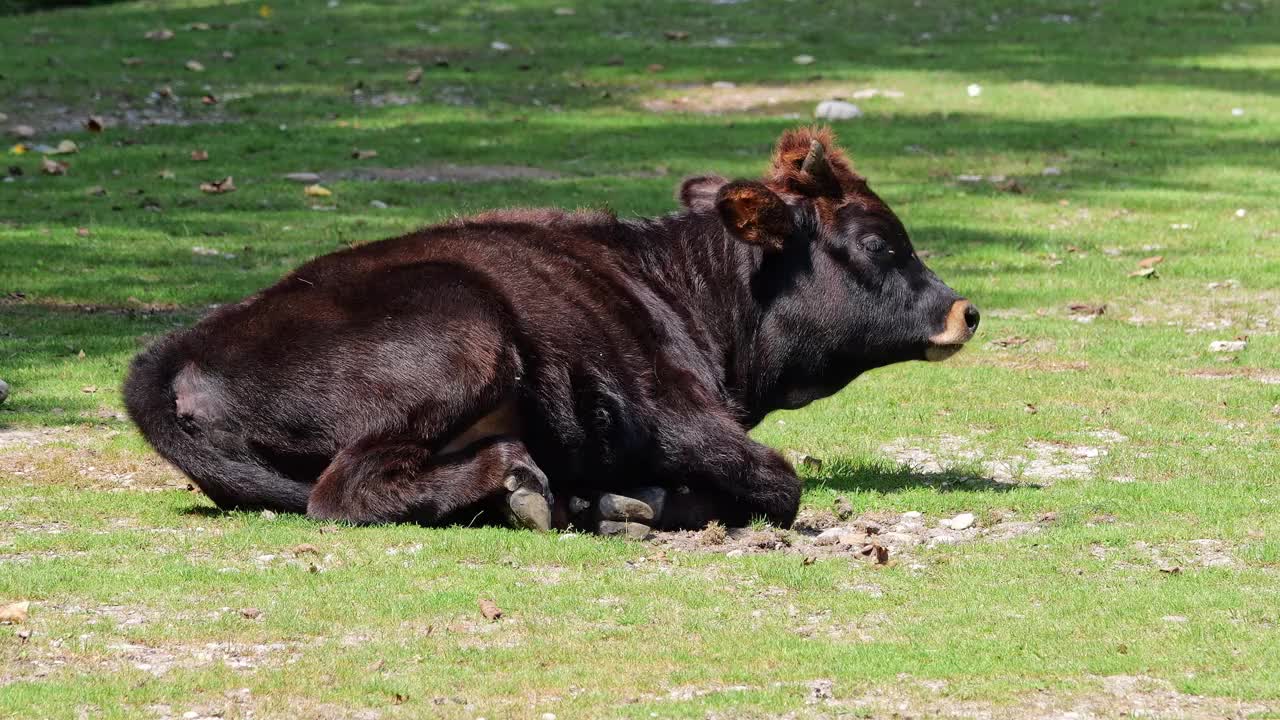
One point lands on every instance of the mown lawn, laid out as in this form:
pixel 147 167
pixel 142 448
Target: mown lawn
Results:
pixel 1126 556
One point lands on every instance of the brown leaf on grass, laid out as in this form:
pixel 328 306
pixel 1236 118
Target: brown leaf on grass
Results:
pixel 251 613
pixel 14 613
pixel 209 100
pixel 875 551
pixel 489 609
pixel 305 548
pixel 1152 261
pixel 131 61
pixel 94 124
pixel 1011 341
pixel 217 187
pixel 1011 186
pixel 1086 309
pixel 160 34
pixel 53 167
pixel 675 35
pixel 195 66
pixel 414 76
pixel 364 154
pixel 1143 272
pixel 199 155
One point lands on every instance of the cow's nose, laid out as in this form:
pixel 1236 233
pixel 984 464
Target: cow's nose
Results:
pixel 971 317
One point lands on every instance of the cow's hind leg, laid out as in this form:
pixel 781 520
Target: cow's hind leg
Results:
pixel 391 479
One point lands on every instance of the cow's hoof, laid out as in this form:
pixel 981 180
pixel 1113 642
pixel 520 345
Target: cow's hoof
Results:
pixel 629 530
pixel 643 505
pixel 529 500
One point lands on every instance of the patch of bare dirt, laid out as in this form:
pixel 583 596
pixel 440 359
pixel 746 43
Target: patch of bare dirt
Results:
pixel 874 538
pixel 163 106
pixel 721 98
pixel 1115 696
pixel 1262 375
pixel 1041 462
pixel 442 173
pixel 1228 309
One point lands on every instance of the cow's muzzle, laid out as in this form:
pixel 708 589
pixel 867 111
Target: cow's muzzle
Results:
pixel 962 322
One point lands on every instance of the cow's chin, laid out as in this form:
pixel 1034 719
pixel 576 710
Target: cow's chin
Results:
pixel 938 353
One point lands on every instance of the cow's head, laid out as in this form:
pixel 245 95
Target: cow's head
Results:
pixel 842 287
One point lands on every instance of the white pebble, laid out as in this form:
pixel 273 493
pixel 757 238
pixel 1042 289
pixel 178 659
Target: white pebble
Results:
pixel 378 204
pixel 1051 170
pixel 974 90
pixel 548 716
pixel 1241 212
pixel 724 85
pixel 963 521
pixel 499 46
pixel 837 110
pixel 911 514
pixel 802 59
pixel 1237 111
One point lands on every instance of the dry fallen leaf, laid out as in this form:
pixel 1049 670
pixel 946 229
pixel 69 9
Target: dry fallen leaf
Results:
pixel 209 100
pixel 414 76
pixel 489 610
pixel 66 147
pixel 1143 272
pixel 218 187
pixel 251 613
pixel 676 35
pixel 1152 261
pixel 195 66
pixel 53 167
pixel 89 389
pixel 14 613
pixel 875 551
pixel 364 154
pixel 1012 341
pixel 1086 309
pixel 306 548
pixel 317 191
pixel 199 155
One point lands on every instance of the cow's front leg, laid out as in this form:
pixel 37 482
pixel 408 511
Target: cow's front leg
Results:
pixel 709 470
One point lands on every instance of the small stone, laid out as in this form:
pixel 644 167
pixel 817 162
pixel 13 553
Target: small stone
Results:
pixel 268 515
pixel 548 716
pixel 849 539
pixel 963 521
pixel 830 536
pixel 900 539
pixel 621 507
pixel 251 613
pixel 24 132
pixel 837 110
pixel 629 530
pixel 724 85
pixel 378 204
pixel 499 46
pixel 1227 345
pixel 820 690
pixel 734 553
pixel 1241 212
pixel 303 177
pixel 1051 171
pixel 1237 112
pixel 974 90
pixel 802 59
pixel 912 515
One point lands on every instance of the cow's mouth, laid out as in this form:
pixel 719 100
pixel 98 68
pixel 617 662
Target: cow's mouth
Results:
pixel 938 353
pixel 961 323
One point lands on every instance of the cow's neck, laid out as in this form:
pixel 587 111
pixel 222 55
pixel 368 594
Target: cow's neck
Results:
pixel 759 372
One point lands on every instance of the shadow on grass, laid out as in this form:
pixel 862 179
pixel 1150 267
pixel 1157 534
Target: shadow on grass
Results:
pixel 887 479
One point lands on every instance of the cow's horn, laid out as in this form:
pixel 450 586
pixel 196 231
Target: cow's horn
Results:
pixel 816 158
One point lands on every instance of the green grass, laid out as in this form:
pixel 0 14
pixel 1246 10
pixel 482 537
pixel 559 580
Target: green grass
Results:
pixel 1134 106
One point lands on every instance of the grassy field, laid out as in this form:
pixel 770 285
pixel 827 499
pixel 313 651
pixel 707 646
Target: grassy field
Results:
pixel 1124 477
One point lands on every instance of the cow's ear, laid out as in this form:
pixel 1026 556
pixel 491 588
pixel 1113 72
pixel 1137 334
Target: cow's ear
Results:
pixel 755 214
pixel 699 193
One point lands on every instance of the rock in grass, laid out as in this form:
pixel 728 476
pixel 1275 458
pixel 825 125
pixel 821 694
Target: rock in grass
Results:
pixel 837 110
pixel 4 391
pixel 963 521
pixel 1227 345
pixel 629 530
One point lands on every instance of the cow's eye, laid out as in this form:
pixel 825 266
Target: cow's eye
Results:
pixel 874 244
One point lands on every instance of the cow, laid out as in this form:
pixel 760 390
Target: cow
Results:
pixel 508 359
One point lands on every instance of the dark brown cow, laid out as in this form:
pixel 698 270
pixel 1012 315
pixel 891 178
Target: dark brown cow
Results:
pixel 498 358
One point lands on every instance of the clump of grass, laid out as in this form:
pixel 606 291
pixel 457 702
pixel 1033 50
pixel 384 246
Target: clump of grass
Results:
pixel 713 534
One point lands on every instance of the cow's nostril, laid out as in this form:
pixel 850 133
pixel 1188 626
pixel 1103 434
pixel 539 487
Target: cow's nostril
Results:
pixel 971 317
